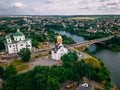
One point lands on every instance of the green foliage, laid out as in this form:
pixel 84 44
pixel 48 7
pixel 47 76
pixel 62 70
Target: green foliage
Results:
pixel 49 78
pixel 67 40
pixel 114 44
pixel 1 45
pixel 16 62
pixel 25 54
pixel 52 84
pixel 1 72
pixel 69 58
pixel 86 49
pixel 50 36
pixel 9 71
pixel 39 81
pixel 35 43
pixel 97 89
pixel 22 67
pixel 85 34
pixel 43 82
pixel 60 73
pixel 54 26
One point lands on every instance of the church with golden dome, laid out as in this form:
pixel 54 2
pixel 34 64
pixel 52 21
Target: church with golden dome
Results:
pixel 59 49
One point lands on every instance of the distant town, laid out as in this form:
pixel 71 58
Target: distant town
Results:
pixel 32 45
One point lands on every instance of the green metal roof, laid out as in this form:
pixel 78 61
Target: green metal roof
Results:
pixel 27 39
pixel 18 34
pixel 7 36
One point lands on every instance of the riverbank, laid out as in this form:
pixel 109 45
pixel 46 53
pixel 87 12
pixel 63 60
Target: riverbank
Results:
pixel 110 58
pixel 111 61
pixel 113 44
pixel 86 35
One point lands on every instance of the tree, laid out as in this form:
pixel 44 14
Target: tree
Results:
pixel 35 43
pixel 9 71
pixel 69 58
pixel 1 45
pixel 52 84
pixel 60 73
pixel 39 82
pixel 25 54
pixel 1 72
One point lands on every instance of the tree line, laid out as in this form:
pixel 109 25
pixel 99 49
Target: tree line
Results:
pixel 50 78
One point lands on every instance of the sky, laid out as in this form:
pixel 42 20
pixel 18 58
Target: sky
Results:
pixel 59 7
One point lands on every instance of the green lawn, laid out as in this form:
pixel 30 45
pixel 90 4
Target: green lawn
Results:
pixel 16 62
pixel 3 64
pixel 22 67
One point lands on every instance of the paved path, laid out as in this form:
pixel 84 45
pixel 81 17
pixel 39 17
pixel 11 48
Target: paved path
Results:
pixel 44 61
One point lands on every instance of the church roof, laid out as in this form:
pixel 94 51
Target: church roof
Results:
pixel 59 37
pixel 7 36
pixel 57 47
pixel 18 33
pixel 27 39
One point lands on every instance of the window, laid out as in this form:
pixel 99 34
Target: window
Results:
pixel 10 46
pixel 28 45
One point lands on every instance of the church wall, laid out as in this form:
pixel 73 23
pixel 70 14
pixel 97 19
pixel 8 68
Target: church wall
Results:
pixel 10 48
pixel 21 45
pixel 9 40
pixel 28 44
pixel 19 38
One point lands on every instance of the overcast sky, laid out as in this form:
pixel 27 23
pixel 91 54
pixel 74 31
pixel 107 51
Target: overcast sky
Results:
pixel 59 7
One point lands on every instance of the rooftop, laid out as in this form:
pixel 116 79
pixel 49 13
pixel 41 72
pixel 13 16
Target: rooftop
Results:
pixel 18 33
pixel 27 39
pixel 7 36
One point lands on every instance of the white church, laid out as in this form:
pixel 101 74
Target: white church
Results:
pixel 59 49
pixel 17 42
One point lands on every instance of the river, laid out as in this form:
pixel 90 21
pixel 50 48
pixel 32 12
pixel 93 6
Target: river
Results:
pixel 110 58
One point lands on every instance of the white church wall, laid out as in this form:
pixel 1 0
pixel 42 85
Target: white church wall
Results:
pixel 19 38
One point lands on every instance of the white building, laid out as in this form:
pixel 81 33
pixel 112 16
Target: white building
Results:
pixel 16 42
pixel 59 49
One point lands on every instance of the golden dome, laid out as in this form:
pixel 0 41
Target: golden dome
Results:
pixel 59 39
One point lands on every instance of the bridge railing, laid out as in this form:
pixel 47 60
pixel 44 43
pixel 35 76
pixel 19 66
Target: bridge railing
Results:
pixel 91 41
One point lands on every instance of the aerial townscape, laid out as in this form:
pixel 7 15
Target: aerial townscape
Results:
pixel 46 48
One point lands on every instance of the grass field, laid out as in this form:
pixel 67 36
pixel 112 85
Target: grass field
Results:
pixel 3 64
pixel 17 62
pixel 20 65
pixel 83 18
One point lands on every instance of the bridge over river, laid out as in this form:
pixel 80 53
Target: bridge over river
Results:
pixel 90 42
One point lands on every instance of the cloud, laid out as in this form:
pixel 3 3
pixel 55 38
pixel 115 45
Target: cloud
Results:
pixel 110 5
pixel 53 1
pixel 64 7
pixel 17 5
